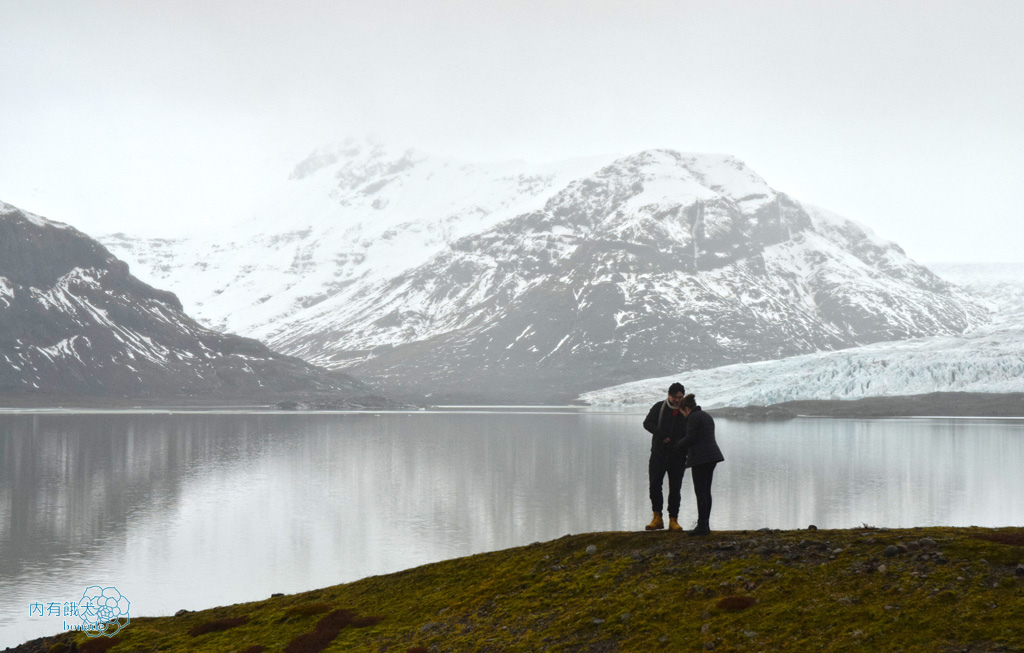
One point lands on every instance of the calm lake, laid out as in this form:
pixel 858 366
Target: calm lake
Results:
pixel 194 510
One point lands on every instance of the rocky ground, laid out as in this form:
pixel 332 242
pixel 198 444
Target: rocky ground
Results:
pixel 937 404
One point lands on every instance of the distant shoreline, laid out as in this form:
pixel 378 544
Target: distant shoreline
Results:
pixel 935 404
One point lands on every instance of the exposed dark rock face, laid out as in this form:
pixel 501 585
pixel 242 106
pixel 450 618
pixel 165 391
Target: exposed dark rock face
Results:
pixel 74 322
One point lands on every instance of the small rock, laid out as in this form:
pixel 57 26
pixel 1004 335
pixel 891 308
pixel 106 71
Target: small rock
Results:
pixel 1020 570
pixel 663 639
pixel 598 622
pixel 276 594
pixel 592 549
pixel 625 616
pixel 836 552
pixel 750 634
pixel 882 569
pixel 181 612
pixel 890 551
pixel 941 560
pixel 913 546
pixel 764 530
pixel 926 542
pixel 705 628
pixel 812 527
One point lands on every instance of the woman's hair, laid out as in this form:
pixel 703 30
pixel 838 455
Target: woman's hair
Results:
pixel 689 401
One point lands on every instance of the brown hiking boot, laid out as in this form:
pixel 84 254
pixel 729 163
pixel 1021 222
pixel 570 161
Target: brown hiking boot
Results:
pixel 656 524
pixel 673 525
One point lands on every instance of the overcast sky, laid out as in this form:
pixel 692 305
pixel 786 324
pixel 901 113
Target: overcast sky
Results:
pixel 148 116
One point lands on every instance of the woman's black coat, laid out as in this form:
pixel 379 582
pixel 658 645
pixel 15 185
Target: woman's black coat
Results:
pixel 699 441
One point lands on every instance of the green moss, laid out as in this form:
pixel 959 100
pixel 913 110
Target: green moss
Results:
pixel 651 592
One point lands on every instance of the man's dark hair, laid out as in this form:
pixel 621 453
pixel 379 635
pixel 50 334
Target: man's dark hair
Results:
pixel 689 401
pixel 676 388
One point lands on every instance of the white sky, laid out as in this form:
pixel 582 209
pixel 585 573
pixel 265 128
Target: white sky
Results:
pixel 153 116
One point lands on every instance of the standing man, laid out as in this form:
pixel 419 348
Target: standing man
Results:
pixel 702 454
pixel 665 422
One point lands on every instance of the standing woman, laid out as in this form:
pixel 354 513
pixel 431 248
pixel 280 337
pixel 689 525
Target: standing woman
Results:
pixel 702 454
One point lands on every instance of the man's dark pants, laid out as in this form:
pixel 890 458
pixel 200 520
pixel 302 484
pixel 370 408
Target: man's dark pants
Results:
pixel 656 470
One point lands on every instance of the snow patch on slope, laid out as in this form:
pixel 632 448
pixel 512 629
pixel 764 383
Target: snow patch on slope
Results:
pixel 39 221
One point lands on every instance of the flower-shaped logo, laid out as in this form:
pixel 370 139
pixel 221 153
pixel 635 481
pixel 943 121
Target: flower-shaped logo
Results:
pixel 103 611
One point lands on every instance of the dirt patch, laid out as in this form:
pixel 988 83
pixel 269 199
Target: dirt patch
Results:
pixel 99 645
pixel 735 602
pixel 217 625
pixel 1013 539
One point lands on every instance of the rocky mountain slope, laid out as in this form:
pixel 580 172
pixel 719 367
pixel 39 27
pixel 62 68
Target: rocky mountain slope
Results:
pixel 457 282
pixel 75 323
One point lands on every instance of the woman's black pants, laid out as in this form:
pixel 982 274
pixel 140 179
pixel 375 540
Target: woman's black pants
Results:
pixel 702 475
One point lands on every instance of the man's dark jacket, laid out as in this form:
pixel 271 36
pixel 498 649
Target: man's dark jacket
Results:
pixel 663 424
pixel 699 441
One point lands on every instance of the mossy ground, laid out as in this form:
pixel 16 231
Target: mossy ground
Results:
pixel 733 591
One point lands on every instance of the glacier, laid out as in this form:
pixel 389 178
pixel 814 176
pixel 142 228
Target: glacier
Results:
pixel 987 358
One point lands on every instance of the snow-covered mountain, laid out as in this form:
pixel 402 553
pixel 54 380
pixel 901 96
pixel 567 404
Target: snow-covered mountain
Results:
pixel 458 281
pixel 75 323
pixel 346 217
pixel 989 358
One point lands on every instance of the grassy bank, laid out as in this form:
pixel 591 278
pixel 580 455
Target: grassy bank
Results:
pixel 927 589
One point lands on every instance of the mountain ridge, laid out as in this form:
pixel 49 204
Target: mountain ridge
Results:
pixel 76 323
pixel 656 261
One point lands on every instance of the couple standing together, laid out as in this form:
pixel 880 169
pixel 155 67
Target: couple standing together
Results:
pixel 682 435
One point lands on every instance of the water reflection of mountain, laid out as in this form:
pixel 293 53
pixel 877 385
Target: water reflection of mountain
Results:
pixel 69 484
pixel 193 511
